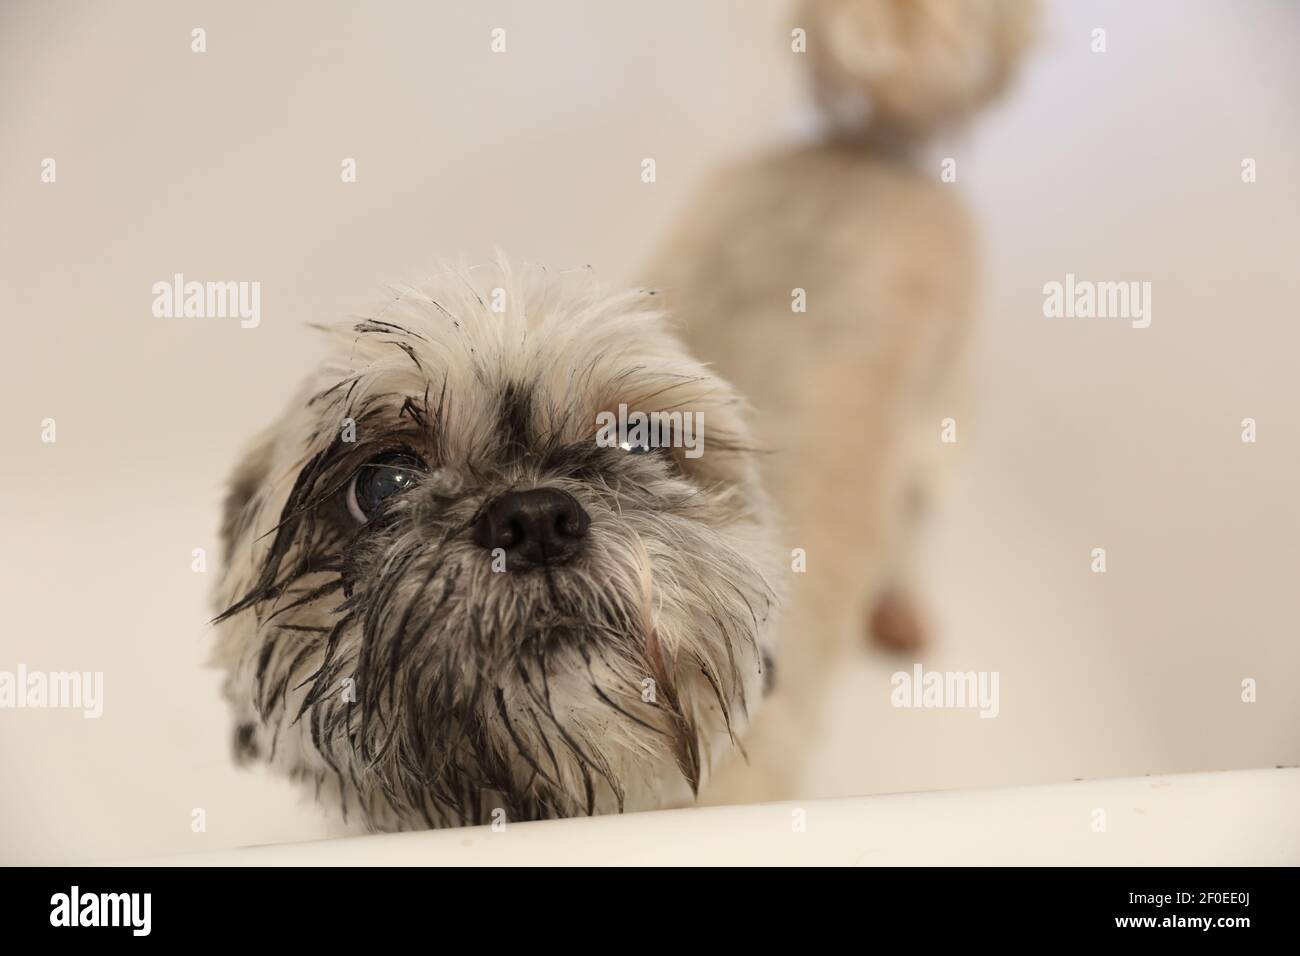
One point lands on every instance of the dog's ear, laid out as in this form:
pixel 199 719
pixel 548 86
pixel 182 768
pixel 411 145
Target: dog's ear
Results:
pixel 249 477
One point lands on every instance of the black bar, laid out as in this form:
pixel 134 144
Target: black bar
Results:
pixel 333 905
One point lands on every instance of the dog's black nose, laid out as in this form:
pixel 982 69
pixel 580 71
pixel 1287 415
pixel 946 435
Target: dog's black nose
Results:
pixel 540 526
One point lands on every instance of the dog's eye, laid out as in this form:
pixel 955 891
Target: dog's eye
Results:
pixel 635 448
pixel 380 479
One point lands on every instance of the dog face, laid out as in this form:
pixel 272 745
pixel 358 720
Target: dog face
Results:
pixel 445 597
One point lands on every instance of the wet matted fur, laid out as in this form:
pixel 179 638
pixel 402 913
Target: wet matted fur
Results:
pixel 388 663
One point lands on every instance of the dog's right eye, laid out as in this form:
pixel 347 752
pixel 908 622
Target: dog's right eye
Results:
pixel 380 479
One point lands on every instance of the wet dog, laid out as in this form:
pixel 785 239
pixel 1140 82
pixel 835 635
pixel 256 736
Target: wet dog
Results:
pixel 453 595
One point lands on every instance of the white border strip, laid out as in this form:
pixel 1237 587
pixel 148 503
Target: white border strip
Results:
pixel 1247 817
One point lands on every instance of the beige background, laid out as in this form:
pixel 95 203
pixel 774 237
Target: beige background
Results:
pixel 226 166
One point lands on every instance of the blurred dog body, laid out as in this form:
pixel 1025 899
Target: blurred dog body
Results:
pixel 833 284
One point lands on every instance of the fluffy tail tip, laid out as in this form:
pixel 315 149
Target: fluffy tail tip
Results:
pixel 903 69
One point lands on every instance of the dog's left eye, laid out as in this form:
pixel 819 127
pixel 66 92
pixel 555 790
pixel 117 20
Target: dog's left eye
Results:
pixel 380 479
pixel 636 448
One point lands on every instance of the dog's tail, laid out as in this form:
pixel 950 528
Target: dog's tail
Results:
pixel 898 71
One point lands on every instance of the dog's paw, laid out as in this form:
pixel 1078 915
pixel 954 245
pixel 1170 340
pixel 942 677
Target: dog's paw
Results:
pixel 896 624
